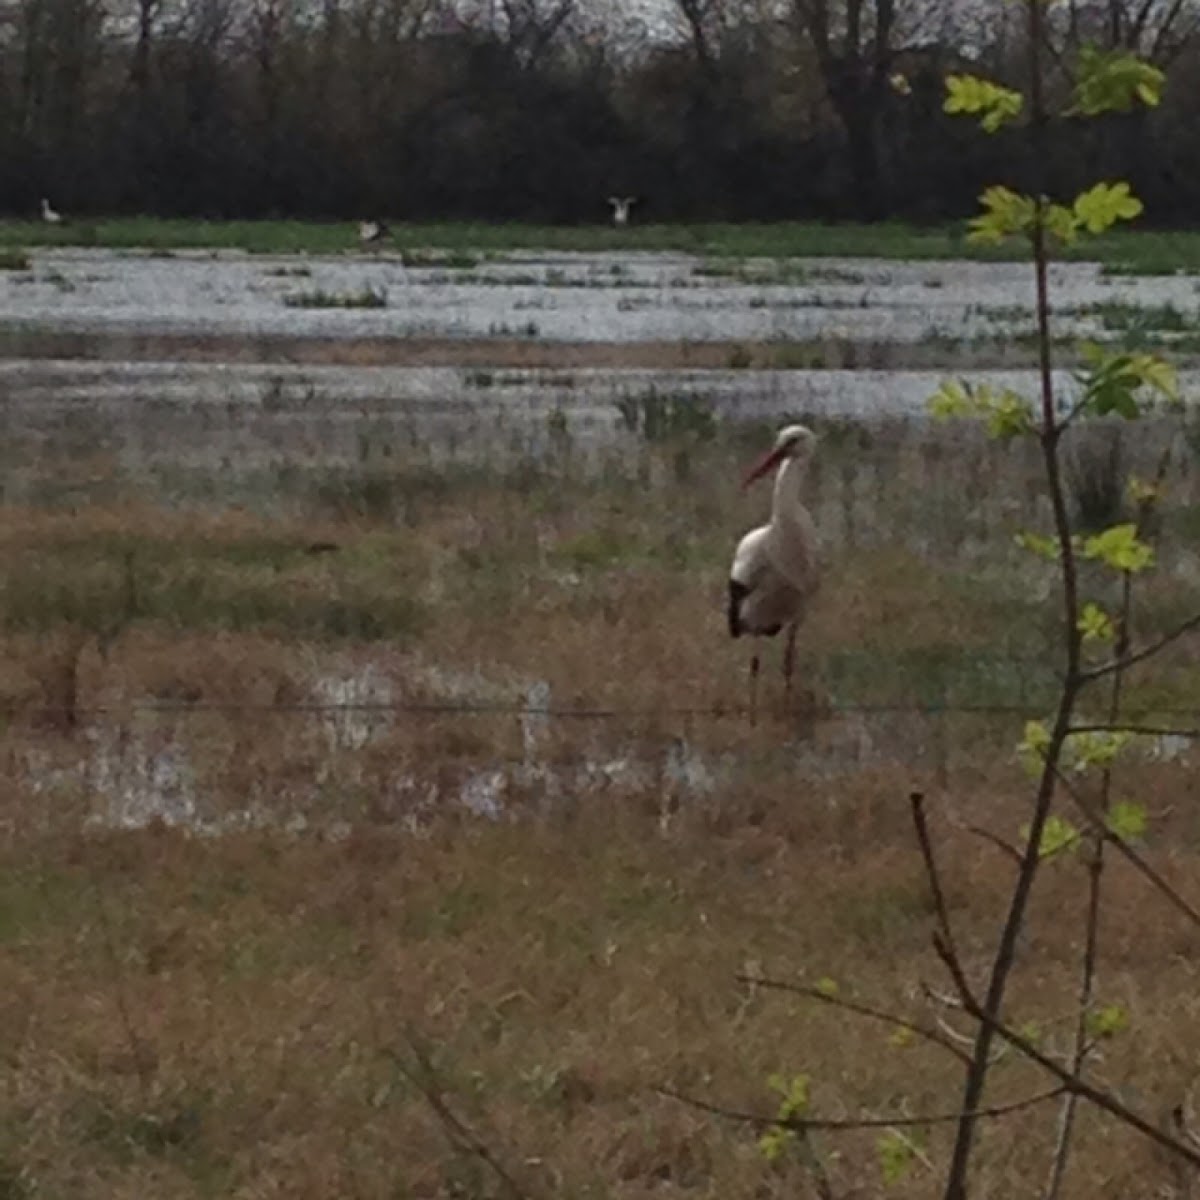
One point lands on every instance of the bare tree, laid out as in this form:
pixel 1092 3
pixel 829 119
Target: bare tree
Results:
pixel 530 26
pixel 1157 30
pixel 854 43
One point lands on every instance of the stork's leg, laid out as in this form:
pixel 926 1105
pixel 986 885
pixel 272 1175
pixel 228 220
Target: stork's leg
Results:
pixel 789 661
pixel 754 665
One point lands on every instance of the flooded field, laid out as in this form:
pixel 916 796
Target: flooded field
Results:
pixel 379 774
pixel 422 442
pixel 605 298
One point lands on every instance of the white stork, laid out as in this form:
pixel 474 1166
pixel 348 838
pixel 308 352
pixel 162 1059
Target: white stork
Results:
pixel 372 231
pixel 621 206
pixel 775 567
pixel 49 215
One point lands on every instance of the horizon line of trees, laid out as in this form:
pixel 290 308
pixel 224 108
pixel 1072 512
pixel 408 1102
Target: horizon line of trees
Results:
pixel 537 110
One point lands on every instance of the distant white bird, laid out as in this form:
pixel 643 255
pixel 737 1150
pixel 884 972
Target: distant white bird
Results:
pixel 775 567
pixel 372 231
pixel 49 215
pixel 621 206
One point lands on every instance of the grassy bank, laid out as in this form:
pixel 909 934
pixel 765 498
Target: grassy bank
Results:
pixel 1142 251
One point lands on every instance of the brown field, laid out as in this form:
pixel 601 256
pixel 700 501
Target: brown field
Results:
pixel 826 353
pixel 297 872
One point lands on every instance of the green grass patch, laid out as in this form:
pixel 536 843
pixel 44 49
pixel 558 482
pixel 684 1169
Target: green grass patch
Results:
pixel 1166 318
pixel 461 244
pixel 105 584
pixel 455 260
pixel 366 298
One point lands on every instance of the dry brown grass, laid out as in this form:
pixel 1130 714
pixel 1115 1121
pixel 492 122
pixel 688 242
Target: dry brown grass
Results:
pixel 562 970
pixel 192 1016
pixel 831 353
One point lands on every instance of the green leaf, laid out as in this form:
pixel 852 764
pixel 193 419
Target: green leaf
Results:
pixel 1007 413
pixel 1095 749
pixel 1039 544
pixel 1032 748
pixel 897 1154
pixel 1114 81
pixel 1060 222
pixel 1059 836
pixel 1104 205
pixel 1142 492
pixel 774 1142
pixel 995 105
pixel 950 400
pixel 1095 624
pixel 1120 548
pixel 1031 1031
pixel 1005 213
pixel 1157 374
pixel 795 1093
pixel 901 1037
pixel 1107 1021
pixel 1127 820
pixel 1112 381
pixel 826 986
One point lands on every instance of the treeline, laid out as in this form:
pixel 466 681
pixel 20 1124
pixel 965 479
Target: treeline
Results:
pixel 537 110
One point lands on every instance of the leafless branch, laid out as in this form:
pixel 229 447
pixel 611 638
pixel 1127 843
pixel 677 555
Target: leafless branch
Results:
pixel 1096 820
pixel 1137 730
pixel 1002 844
pixel 1082 1043
pixel 917 803
pixel 424 1079
pixel 898 1121
pixel 863 1010
pixel 1122 662
pixel 1097 1096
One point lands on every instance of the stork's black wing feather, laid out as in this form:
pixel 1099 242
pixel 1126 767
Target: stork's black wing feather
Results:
pixel 737 593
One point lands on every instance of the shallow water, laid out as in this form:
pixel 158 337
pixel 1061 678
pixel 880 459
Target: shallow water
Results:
pixel 243 419
pixel 616 297
pixel 89 422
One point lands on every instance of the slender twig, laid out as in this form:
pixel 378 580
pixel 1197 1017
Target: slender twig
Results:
pixel 1096 820
pixel 460 1134
pixel 1180 1123
pixel 1097 1096
pixel 764 1121
pixel 1137 730
pixel 1002 844
pixel 1121 662
pixel 1082 1043
pixel 814 1165
pixel 1183 1180
pixel 863 1010
pixel 916 801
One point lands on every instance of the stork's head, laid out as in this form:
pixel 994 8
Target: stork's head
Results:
pixel 792 441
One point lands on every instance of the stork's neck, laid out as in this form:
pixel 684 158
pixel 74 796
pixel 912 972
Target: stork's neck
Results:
pixel 786 505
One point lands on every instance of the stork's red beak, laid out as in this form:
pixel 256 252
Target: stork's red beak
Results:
pixel 761 467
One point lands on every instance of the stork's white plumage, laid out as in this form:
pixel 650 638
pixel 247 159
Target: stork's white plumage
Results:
pixel 49 215
pixel 372 231
pixel 776 569
pixel 621 206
